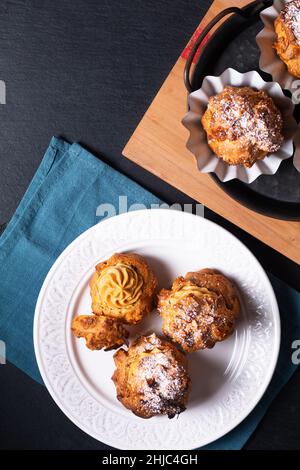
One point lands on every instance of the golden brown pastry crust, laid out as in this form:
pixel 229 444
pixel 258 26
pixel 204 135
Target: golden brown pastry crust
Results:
pixel 199 310
pixel 287 44
pixel 122 287
pixel 242 125
pixel 151 377
pixel 99 331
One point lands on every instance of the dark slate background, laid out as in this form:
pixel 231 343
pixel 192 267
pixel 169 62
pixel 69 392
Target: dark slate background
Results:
pixel 87 70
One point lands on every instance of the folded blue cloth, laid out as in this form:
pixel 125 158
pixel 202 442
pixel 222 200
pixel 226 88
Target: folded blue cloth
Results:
pixel 59 205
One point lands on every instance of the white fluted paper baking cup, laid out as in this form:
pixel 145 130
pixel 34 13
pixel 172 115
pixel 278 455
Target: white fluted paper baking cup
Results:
pixel 207 162
pixel 269 60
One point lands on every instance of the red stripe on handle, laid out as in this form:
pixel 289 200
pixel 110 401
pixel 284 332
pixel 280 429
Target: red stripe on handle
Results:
pixel 187 50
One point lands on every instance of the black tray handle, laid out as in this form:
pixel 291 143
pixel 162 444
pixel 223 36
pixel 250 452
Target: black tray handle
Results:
pixel 246 12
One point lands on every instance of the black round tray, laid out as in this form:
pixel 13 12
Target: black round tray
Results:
pixel 234 45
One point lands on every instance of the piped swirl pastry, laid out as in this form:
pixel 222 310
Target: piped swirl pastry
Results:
pixel 151 378
pixel 199 310
pixel 243 125
pixel 99 332
pixel 287 29
pixel 122 287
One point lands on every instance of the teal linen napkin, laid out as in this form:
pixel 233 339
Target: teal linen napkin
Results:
pixel 59 205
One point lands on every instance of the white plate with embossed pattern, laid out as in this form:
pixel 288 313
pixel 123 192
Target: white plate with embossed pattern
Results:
pixel 227 381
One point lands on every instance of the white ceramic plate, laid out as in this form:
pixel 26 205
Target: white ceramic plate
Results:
pixel 227 381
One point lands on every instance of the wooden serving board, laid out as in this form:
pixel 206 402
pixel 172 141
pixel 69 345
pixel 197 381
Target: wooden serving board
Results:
pixel 158 145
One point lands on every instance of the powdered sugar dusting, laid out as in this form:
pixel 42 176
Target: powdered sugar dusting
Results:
pixel 238 114
pixel 164 383
pixel 291 17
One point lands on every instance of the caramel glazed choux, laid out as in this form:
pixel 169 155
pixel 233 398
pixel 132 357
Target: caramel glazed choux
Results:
pixel 151 377
pixel 243 125
pixel 199 310
pixel 287 29
pixel 123 287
